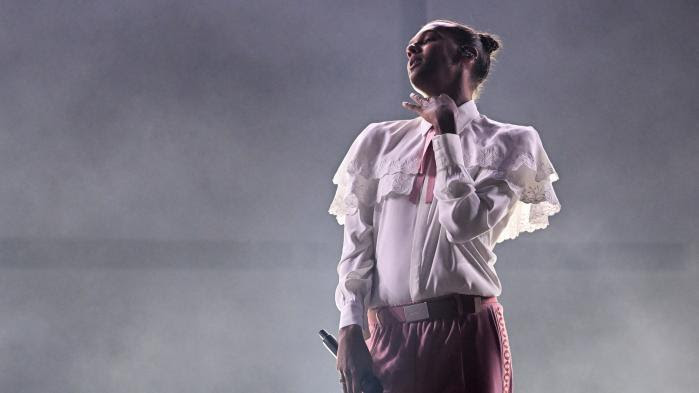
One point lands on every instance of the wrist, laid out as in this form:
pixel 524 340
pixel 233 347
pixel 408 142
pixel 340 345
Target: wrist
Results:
pixel 446 124
pixel 350 329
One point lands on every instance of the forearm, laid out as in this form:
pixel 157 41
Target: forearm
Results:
pixel 355 268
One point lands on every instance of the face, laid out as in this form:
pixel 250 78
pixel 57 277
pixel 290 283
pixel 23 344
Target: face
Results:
pixel 433 65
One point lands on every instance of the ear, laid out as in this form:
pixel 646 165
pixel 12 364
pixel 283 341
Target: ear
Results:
pixel 464 55
pixel 468 52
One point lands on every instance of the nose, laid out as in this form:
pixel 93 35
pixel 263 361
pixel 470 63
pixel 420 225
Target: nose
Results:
pixel 412 49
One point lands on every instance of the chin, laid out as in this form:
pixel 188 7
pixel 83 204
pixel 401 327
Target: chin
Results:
pixel 417 88
pixel 415 83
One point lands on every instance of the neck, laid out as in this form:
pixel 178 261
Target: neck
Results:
pixel 461 99
pixel 460 96
pixel 461 93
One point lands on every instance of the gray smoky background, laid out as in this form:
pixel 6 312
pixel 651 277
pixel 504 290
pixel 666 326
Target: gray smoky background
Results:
pixel 165 175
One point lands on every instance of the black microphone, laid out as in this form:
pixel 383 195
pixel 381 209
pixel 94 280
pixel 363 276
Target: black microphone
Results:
pixel 370 384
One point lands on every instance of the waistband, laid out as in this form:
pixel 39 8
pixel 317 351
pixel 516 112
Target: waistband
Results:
pixel 440 307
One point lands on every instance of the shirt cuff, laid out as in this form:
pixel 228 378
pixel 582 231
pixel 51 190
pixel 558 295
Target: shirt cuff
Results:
pixel 352 313
pixel 448 152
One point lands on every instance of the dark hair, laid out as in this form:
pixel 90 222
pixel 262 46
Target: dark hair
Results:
pixel 486 46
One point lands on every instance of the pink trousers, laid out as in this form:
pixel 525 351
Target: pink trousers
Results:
pixel 468 353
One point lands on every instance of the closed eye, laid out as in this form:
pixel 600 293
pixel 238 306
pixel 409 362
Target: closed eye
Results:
pixel 420 43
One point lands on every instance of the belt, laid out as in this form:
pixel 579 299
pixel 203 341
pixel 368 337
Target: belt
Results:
pixel 440 307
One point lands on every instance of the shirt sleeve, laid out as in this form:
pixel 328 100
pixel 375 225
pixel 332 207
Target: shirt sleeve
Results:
pixel 465 209
pixel 356 267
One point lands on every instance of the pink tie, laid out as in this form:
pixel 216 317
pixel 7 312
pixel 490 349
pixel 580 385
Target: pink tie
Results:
pixel 427 165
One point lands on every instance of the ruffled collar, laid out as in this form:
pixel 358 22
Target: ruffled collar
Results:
pixel 466 112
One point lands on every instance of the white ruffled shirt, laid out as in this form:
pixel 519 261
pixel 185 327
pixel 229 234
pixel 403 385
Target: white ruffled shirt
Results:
pixel 494 181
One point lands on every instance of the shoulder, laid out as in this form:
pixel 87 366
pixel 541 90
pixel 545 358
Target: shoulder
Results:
pixel 519 134
pixel 383 129
pixel 507 146
pixel 378 136
pixel 382 142
pixel 501 127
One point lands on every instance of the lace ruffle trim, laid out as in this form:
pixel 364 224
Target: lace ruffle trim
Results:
pixel 537 202
pixel 531 178
pixel 368 183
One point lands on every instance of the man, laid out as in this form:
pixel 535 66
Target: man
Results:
pixel 423 202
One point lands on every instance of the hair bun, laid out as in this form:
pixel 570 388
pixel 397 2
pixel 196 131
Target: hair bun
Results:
pixel 490 44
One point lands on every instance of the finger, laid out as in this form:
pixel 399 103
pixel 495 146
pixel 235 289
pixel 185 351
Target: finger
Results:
pixel 419 99
pixel 356 384
pixel 343 384
pixel 350 382
pixel 411 107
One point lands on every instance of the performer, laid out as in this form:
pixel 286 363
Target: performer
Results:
pixel 423 203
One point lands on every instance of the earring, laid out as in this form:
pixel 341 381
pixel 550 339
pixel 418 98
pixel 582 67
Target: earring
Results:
pixel 467 52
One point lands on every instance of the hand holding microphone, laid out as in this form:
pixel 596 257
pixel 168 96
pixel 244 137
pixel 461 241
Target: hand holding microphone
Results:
pixel 353 360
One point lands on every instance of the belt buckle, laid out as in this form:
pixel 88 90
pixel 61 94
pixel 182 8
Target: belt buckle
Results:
pixel 416 312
